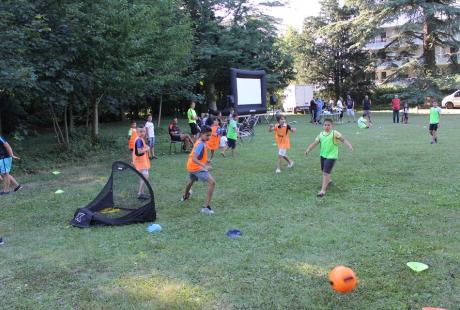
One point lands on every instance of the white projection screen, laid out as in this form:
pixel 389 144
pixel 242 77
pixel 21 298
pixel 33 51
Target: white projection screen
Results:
pixel 249 91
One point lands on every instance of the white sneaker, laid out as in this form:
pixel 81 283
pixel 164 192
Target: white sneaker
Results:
pixel 207 211
pixel 278 171
pixel 291 164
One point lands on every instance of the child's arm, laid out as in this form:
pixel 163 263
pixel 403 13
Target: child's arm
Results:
pixel 311 147
pixel 195 159
pixel 347 143
pixel 10 150
pixel 271 128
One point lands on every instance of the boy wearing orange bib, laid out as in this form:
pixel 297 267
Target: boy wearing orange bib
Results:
pixel 213 143
pixel 329 152
pixel 132 136
pixel 282 139
pixel 198 167
pixel 141 161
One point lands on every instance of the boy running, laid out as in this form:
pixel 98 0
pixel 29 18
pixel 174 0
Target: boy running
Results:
pixel 150 135
pixel 213 143
pixel 198 168
pixel 282 139
pixel 6 163
pixel 329 151
pixel 141 161
pixel 435 113
pixel 132 136
pixel 232 134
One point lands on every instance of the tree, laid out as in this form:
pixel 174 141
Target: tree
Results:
pixel 431 23
pixel 325 52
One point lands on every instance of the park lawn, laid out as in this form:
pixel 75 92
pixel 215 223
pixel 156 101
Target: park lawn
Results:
pixel 395 200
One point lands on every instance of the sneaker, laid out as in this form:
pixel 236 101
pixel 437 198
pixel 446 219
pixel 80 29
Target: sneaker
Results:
pixel 432 142
pixel 4 193
pixel 154 157
pixel 207 210
pixel 278 171
pixel 1 241
pixel 17 188
pixel 291 164
pixel 321 194
pixel 184 198
pixel 143 197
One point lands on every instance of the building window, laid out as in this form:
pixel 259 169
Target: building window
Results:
pixel 384 75
pixel 383 37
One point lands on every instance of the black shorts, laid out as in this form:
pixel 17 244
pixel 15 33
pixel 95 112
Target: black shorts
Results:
pixel 327 164
pixel 231 143
pixel 434 127
pixel 175 138
pixel 194 128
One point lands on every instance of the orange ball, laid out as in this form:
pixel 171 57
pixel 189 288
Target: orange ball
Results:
pixel 342 279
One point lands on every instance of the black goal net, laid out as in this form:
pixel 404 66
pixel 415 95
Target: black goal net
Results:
pixel 118 202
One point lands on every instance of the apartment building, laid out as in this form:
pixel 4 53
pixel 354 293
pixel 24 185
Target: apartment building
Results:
pixel 400 53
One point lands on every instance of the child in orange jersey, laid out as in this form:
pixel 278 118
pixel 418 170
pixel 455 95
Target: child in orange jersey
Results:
pixel 132 136
pixel 141 161
pixel 198 167
pixel 282 138
pixel 213 143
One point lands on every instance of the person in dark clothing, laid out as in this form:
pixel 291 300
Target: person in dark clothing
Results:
pixel 367 108
pixel 312 109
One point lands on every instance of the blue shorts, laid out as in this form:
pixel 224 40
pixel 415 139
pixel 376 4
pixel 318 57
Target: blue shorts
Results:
pixel 5 165
pixel 201 175
pixel 151 141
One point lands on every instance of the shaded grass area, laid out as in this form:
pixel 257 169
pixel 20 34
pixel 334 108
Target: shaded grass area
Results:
pixel 394 201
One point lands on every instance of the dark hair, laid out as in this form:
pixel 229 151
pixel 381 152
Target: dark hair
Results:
pixel 328 120
pixel 235 115
pixel 205 129
pixel 150 114
pixel 278 117
pixel 133 122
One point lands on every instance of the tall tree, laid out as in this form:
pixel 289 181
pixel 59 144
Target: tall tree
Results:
pixel 325 52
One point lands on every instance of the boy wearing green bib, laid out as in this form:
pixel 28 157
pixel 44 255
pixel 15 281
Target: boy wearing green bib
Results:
pixel 435 113
pixel 329 151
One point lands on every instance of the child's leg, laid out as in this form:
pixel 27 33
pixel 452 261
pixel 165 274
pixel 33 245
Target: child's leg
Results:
pixel 326 181
pixel 287 159
pixel 225 149
pixel 142 184
pixel 435 135
pixel 212 153
pixel 6 182
pixel 13 180
pixel 188 187
pixel 211 186
pixel 278 163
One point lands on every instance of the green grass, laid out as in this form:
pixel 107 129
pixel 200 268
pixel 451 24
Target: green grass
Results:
pixel 395 200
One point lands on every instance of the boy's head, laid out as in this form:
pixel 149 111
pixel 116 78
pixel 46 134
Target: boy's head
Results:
pixel 280 118
pixel 192 104
pixel 435 103
pixel 149 117
pixel 174 120
pixel 205 133
pixel 327 124
pixel 235 116
pixel 133 125
pixel 141 132
pixel 215 121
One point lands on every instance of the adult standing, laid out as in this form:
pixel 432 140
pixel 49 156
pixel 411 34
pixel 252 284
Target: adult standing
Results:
pixel 319 110
pixel 367 107
pixel 350 103
pixel 340 108
pixel 192 118
pixel 312 109
pixel 396 106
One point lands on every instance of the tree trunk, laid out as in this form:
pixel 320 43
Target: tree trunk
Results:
pixel 71 116
pixel 159 110
pixel 95 123
pixel 66 126
pixel 429 51
pixel 0 123
pixel 211 96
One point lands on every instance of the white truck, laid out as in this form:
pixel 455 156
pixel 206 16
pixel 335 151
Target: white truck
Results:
pixel 297 98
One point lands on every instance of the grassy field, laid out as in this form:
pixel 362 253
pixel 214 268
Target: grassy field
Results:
pixel 395 200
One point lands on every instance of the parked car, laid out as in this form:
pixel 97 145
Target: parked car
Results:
pixel 451 101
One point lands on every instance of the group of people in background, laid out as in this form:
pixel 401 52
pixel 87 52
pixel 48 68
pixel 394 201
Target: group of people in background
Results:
pixel 318 108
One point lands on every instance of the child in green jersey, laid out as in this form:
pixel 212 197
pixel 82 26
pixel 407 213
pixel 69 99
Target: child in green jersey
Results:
pixel 435 113
pixel 329 151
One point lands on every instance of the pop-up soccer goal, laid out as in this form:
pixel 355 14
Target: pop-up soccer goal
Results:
pixel 118 203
